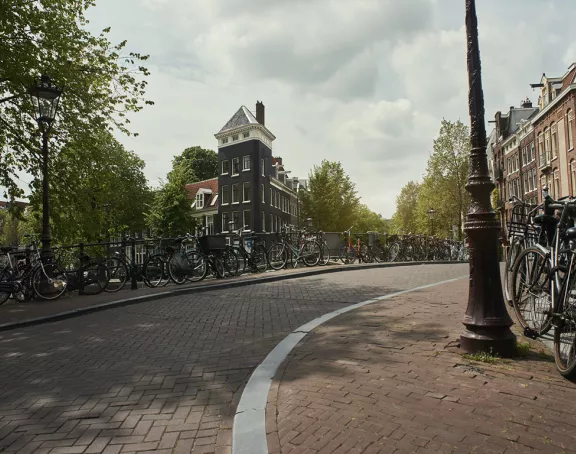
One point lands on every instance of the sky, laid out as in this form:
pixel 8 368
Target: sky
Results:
pixel 363 82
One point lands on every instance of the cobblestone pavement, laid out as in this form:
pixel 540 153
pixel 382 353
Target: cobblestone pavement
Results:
pixel 163 376
pixel 388 378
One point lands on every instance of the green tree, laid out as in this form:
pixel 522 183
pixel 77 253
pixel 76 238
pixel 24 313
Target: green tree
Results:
pixel 198 163
pixel 102 81
pixel 331 199
pixel 369 221
pixel 12 226
pixel 405 217
pixel 444 185
pixel 104 192
pixel 171 210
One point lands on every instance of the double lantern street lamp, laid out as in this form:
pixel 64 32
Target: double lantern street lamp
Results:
pixel 46 96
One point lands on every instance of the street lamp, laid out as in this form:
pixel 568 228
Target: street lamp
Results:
pixel 46 97
pixel 487 323
pixel 431 214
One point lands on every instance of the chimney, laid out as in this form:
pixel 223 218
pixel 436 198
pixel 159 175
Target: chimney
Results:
pixel 260 112
pixel 526 103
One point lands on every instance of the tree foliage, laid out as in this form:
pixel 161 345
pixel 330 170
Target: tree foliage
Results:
pixel 198 163
pixel 102 81
pixel 103 192
pixel 369 221
pixel 171 210
pixel 443 188
pixel 331 199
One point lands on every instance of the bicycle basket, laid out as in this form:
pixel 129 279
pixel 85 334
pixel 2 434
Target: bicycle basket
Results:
pixel 519 223
pixel 209 243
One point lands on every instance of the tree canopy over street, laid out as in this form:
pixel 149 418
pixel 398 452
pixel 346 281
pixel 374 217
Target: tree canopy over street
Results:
pixel 103 82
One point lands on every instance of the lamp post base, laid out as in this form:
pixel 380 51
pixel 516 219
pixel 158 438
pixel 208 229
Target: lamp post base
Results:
pixel 499 341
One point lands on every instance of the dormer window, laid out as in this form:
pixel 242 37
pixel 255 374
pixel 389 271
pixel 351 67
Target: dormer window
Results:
pixel 200 200
pixel 225 140
pixel 235 137
pixel 246 135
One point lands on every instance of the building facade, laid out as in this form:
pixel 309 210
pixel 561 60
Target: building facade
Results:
pixel 253 189
pixel 532 147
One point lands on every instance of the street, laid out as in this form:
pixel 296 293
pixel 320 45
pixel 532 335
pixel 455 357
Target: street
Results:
pixel 165 376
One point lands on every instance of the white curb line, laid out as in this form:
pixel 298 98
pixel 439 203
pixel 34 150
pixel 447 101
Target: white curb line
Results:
pixel 249 429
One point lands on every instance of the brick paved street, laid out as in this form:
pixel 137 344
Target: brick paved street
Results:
pixel 387 378
pixel 163 376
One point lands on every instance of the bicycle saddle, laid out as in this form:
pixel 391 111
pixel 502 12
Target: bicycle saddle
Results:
pixel 545 219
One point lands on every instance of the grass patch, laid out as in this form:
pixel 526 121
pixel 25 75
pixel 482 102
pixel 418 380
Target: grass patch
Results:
pixel 523 348
pixel 485 357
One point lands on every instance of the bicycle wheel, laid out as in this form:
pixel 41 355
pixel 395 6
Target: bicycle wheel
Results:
pixel 198 266
pixel 366 254
pixel 154 271
pixel 242 260
pixel 219 264
pixel 259 259
pixel 117 273
pixel 565 334
pixel 310 253
pixel 347 254
pixel 49 281
pixel 5 276
pixel 324 255
pixel 393 252
pixel 178 268
pixel 231 261
pixel 94 278
pixel 277 256
pixel 531 290
pixel 515 248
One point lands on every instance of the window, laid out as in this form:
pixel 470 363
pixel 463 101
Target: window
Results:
pixel 210 224
pixel 526 189
pixel 246 163
pixel 225 165
pixel 263 193
pixel 262 170
pixel 517 162
pixel 272 223
pixel 236 193
pixel 271 197
pixel 532 152
pixel 246 135
pixel 200 200
pixel 524 157
pixel 570 128
pixel 235 137
pixel 246 192
pixel 556 183
pixel 263 221
pixel 573 176
pixel 541 153
pixel 534 180
pixel 554 141
pixel 236 220
pixel 225 220
pixel 547 144
pixel 225 194
pixel 225 140
pixel 235 166
pixel 247 220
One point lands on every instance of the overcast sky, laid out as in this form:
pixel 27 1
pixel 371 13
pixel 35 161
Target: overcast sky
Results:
pixel 364 82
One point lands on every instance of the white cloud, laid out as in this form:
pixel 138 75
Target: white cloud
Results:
pixel 364 82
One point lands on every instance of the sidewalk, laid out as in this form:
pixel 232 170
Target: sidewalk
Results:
pixel 388 378
pixel 12 314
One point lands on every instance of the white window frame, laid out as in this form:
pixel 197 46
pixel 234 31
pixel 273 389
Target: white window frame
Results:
pixel 199 200
pixel 223 202
pixel 210 224
pixel 232 194
pixel 262 170
pixel 227 162
pixel 263 222
pixel 244 192
pixel 244 220
pixel 263 193
pixel 271 197
pixel 236 227
pixel 237 160
pixel 235 137
pixel 246 134
pixel 244 167
pixel 225 219
pixel 570 128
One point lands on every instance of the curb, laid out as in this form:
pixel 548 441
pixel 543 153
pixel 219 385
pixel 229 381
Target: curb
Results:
pixel 203 288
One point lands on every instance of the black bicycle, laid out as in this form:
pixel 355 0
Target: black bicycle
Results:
pixel 251 252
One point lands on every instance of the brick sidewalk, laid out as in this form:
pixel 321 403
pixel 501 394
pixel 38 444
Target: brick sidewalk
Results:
pixel 388 378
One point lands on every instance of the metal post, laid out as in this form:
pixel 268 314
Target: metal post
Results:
pixel 486 320
pixel 80 273
pixel 46 252
pixel 133 283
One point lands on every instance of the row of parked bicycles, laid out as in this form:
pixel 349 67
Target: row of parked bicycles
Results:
pixel 540 273
pixel 108 267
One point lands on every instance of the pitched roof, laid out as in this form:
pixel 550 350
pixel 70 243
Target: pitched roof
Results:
pixel 242 117
pixel 212 184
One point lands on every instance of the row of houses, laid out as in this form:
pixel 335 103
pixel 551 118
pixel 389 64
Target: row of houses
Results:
pixel 253 189
pixel 532 146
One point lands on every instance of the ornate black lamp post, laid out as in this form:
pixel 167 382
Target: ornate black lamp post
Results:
pixel 487 321
pixel 45 96
pixel 431 215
